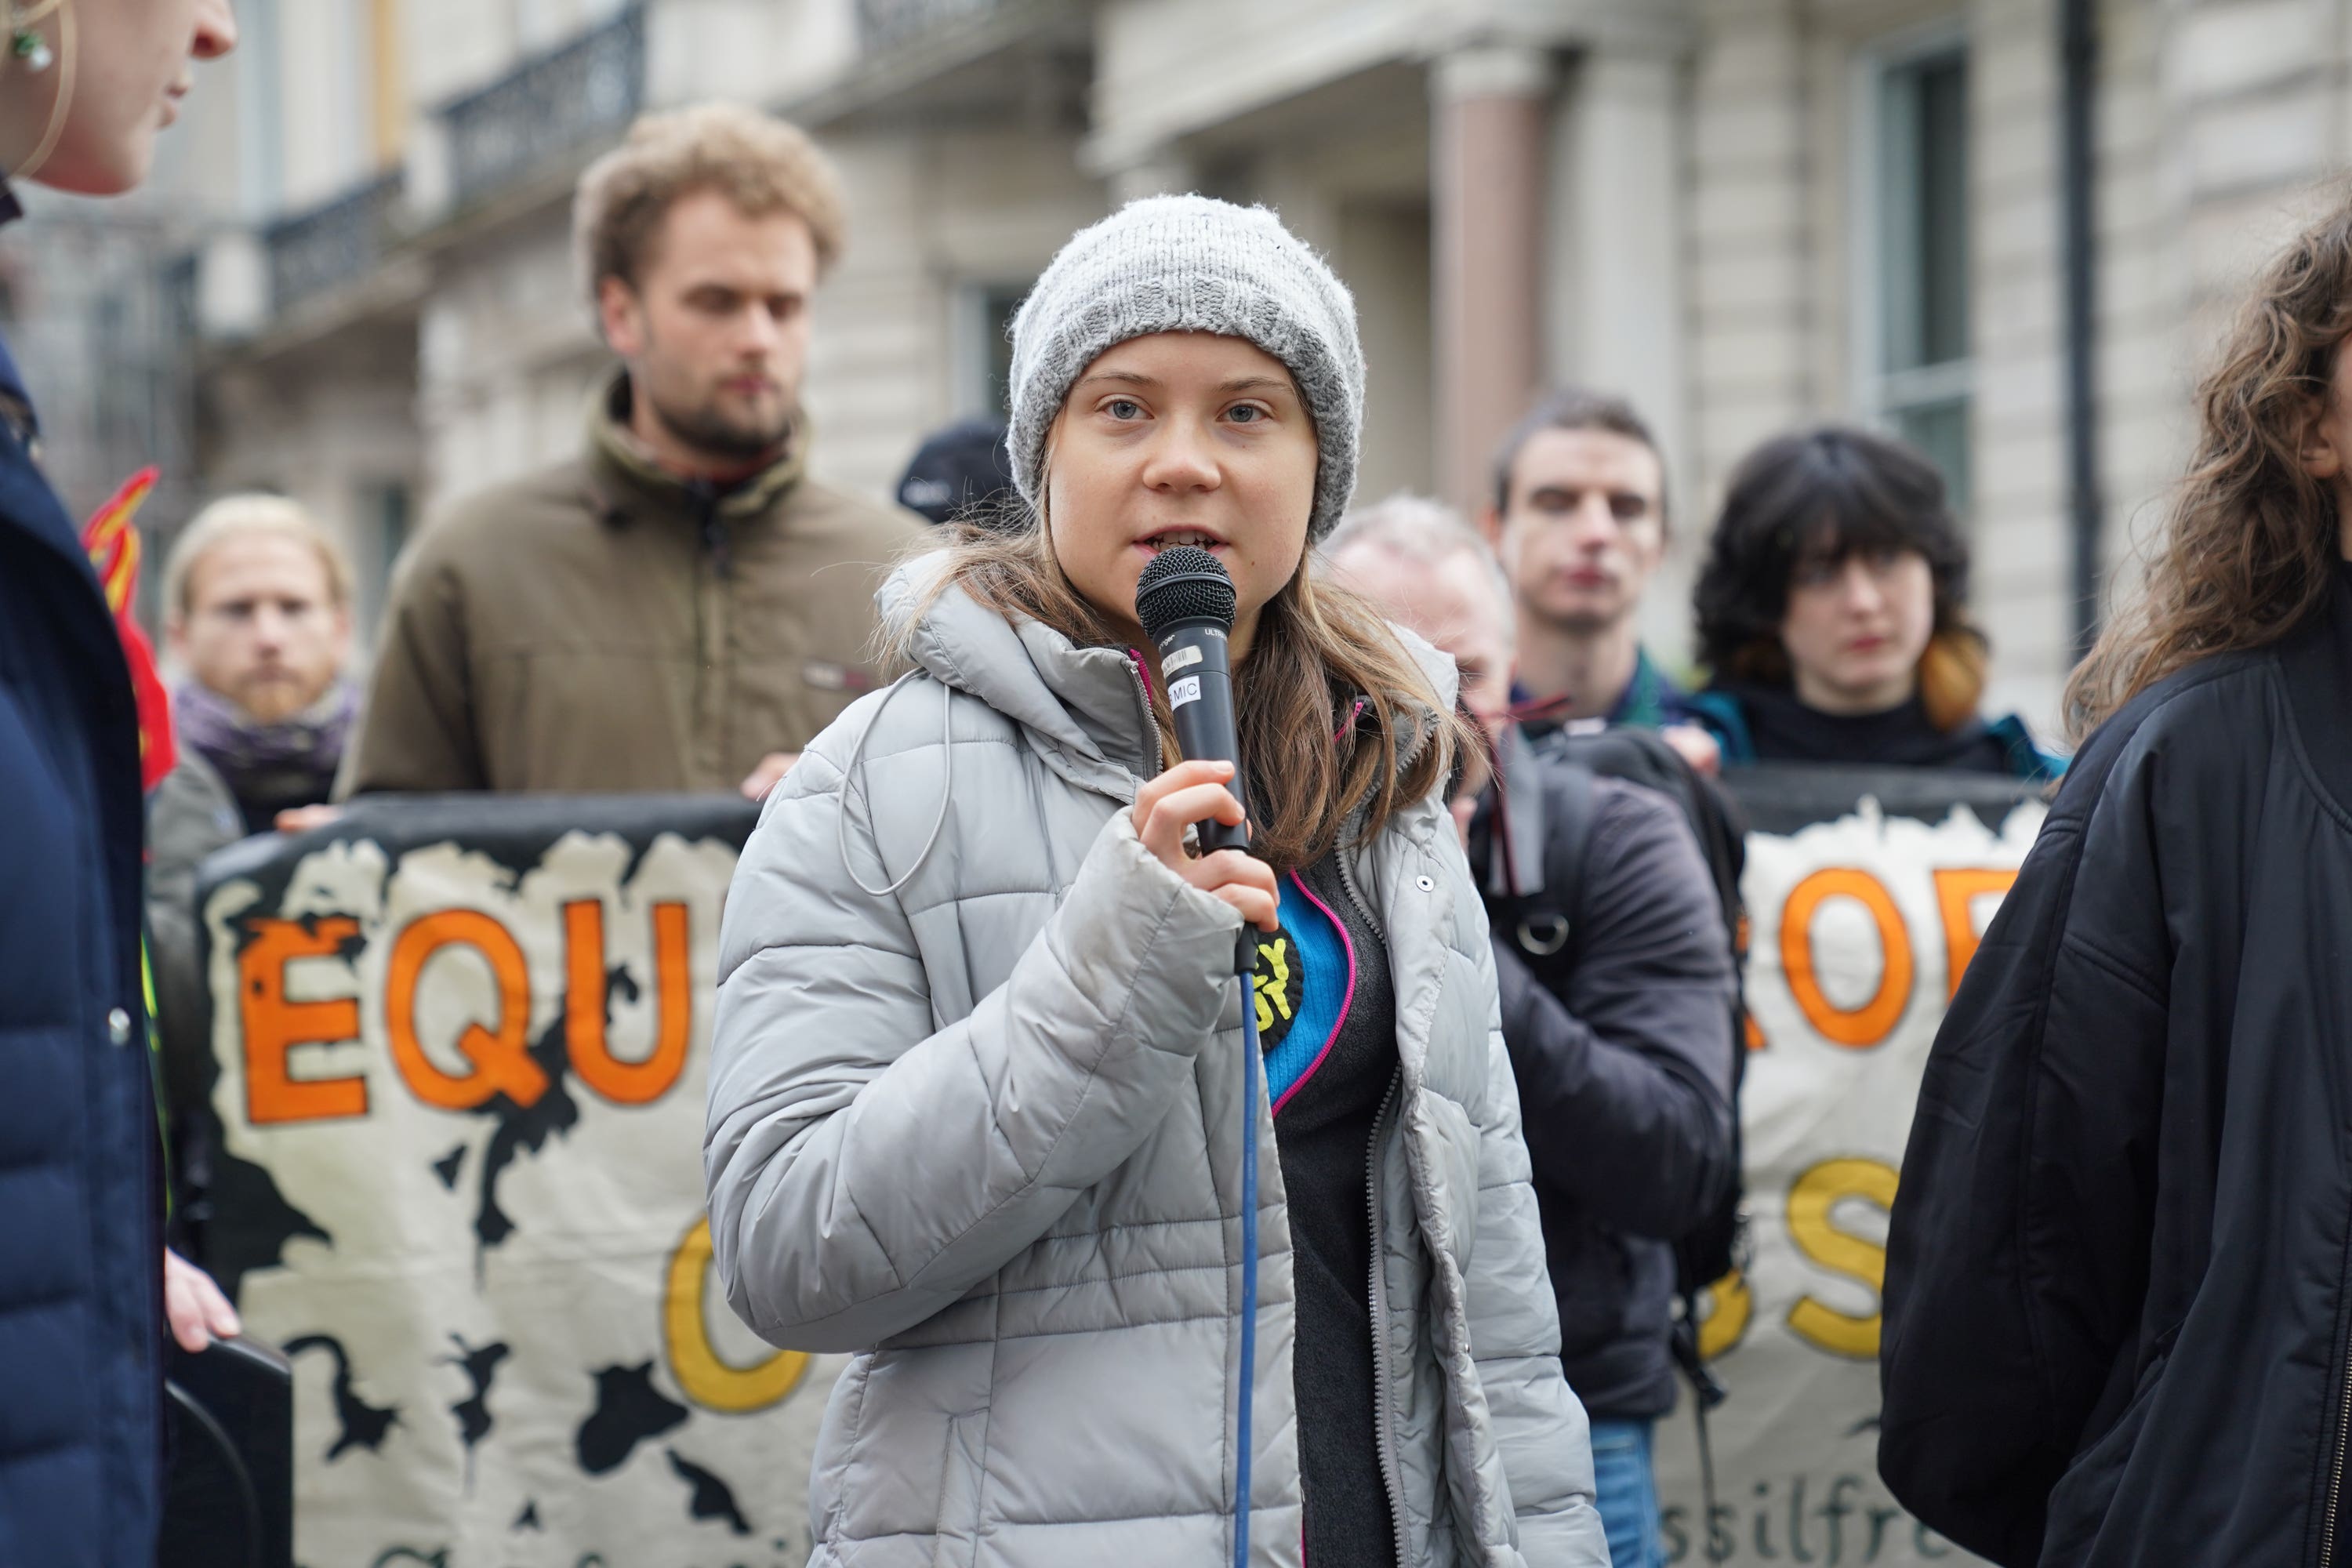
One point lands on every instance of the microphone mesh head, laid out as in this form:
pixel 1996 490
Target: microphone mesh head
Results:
pixel 1183 585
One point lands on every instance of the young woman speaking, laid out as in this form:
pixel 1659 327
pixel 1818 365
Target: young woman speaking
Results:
pixel 977 1086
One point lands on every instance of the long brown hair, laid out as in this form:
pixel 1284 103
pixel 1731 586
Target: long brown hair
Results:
pixel 2251 543
pixel 1311 762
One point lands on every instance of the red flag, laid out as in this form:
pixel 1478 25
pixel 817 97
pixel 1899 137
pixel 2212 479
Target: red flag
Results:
pixel 114 548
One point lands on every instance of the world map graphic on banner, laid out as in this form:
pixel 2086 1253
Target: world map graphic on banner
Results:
pixel 1866 893
pixel 461 1052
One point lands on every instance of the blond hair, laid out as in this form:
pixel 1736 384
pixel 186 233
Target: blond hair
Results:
pixel 757 162
pixel 1424 532
pixel 255 512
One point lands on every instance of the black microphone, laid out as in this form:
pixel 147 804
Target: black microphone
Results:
pixel 1185 602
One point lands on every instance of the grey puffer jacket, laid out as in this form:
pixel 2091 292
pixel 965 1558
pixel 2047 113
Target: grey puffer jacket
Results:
pixel 985 1132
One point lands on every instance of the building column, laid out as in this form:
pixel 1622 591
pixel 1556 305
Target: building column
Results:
pixel 1486 189
pixel 1614 306
pixel 1613 297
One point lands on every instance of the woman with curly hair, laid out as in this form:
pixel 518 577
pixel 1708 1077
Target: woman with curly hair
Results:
pixel 2118 1294
pixel 1832 611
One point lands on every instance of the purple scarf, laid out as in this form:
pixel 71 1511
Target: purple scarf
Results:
pixel 268 767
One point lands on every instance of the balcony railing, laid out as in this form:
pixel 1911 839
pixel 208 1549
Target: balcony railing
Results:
pixel 882 22
pixel 313 251
pixel 585 91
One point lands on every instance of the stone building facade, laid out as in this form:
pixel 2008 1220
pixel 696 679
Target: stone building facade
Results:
pixel 1745 214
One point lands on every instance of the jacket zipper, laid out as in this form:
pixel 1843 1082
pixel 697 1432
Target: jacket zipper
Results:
pixel 1155 743
pixel 711 589
pixel 1383 1419
pixel 1348 879
pixel 2335 1475
pixel 716 541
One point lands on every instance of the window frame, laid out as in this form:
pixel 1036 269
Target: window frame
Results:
pixel 1882 396
pixel 972 391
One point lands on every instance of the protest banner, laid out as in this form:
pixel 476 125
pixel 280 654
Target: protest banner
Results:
pixel 461 1048
pixel 1867 892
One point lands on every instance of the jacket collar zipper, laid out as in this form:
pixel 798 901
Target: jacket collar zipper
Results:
pixel 1154 742
pixel 717 541
pixel 1352 833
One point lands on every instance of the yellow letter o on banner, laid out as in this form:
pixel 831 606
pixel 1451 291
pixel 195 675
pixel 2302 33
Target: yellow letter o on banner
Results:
pixel 1870 1024
pixel 701 1375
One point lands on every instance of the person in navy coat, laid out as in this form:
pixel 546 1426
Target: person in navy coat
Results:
pixel 86 1287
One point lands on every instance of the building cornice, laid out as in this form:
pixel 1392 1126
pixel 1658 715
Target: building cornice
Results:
pixel 1140 114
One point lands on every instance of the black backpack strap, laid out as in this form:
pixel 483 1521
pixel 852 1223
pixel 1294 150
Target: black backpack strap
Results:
pixel 1546 926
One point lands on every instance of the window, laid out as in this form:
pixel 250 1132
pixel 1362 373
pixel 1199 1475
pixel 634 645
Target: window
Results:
pixel 985 348
pixel 385 512
pixel 261 108
pixel 1912 222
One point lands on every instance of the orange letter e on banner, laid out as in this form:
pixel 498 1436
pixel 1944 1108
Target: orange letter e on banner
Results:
pixel 500 1060
pixel 273 1026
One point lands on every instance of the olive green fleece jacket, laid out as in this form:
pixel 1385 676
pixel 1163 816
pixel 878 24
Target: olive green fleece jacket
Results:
pixel 602 625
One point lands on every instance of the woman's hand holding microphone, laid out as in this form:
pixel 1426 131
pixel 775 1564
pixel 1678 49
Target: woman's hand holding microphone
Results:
pixel 1195 792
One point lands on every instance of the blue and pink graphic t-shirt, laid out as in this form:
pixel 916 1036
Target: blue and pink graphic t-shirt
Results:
pixel 1326 1023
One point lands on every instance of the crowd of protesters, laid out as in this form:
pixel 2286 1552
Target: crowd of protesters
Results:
pixel 1512 1033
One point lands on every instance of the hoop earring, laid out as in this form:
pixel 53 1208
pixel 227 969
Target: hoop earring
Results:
pixel 24 43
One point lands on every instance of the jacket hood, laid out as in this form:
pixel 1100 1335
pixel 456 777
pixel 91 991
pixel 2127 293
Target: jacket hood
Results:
pixel 1087 703
pixel 1090 702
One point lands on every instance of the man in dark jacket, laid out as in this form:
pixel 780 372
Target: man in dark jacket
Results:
pixel 1624 1072
pixel 81 1316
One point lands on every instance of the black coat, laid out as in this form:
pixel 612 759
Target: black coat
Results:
pixel 2117 1280
pixel 80 1242
pixel 1624 1080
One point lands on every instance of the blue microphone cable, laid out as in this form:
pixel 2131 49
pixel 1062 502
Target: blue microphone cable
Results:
pixel 1251 1068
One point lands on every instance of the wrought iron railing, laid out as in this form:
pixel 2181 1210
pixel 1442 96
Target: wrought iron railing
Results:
pixel 314 251
pixel 882 22
pixel 585 91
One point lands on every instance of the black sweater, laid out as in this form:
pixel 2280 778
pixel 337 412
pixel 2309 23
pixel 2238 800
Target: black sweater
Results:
pixel 1324 1132
pixel 2119 1271
pixel 1783 729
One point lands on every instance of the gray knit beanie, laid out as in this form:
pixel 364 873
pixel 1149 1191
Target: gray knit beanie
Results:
pixel 1189 264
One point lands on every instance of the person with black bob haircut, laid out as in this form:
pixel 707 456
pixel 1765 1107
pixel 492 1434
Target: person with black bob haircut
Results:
pixel 1833 612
